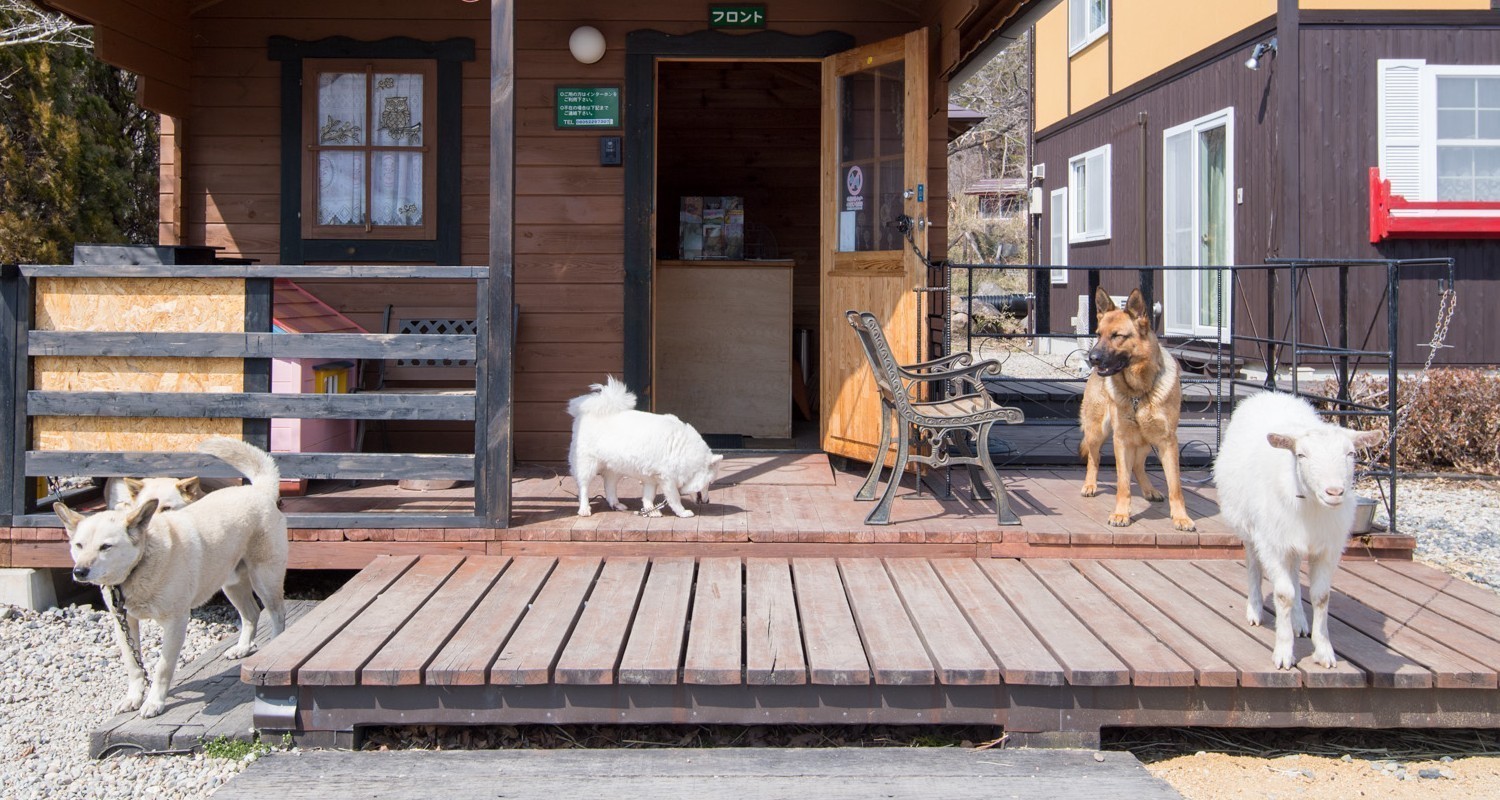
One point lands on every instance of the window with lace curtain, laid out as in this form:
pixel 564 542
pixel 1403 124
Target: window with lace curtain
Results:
pixel 368 169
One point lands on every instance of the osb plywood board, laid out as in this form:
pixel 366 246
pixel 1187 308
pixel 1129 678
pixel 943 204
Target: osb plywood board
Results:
pixel 136 305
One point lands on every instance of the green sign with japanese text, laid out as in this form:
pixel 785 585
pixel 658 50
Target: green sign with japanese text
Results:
pixel 737 16
pixel 588 106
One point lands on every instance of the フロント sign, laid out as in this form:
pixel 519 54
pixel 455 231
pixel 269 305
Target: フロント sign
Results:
pixel 737 16
pixel 588 106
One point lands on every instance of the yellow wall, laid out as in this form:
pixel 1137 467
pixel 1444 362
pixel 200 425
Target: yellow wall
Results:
pixel 1397 5
pixel 1088 78
pixel 1052 66
pixel 1151 35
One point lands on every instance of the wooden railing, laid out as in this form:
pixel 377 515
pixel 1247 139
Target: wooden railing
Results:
pixel 20 404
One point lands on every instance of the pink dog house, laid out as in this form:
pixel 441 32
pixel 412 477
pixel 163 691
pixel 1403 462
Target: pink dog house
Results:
pixel 298 311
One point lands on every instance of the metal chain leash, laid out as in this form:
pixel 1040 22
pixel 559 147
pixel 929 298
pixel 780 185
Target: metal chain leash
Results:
pixel 1447 304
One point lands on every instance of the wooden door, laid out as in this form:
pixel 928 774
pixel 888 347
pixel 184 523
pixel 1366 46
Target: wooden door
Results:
pixel 875 102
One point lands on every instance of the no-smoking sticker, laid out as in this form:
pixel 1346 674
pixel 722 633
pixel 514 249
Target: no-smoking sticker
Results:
pixel 854 181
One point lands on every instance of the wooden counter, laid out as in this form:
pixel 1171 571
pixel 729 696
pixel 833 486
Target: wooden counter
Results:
pixel 723 338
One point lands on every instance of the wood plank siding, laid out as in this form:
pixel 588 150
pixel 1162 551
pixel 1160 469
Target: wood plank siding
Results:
pixel 1336 129
pixel 569 211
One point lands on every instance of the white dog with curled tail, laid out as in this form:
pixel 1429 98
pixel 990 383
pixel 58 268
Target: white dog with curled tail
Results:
pixel 1286 486
pixel 613 439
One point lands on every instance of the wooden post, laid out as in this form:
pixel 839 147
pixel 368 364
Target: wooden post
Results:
pixel 258 370
pixel 10 282
pixel 497 349
pixel 1289 121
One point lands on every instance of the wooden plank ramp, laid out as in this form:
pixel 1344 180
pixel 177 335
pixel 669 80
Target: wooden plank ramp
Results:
pixel 207 701
pixel 671 774
pixel 1051 649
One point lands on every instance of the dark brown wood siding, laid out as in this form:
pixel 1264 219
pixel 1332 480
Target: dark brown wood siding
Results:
pixel 1136 230
pixel 569 263
pixel 1338 146
pixel 1339 106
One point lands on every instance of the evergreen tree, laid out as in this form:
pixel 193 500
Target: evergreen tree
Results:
pixel 78 158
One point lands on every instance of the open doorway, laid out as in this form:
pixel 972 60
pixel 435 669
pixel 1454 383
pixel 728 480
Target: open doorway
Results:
pixel 735 278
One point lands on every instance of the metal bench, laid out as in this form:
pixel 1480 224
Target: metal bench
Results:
pixel 952 429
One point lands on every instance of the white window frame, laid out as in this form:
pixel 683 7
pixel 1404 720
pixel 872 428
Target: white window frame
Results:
pixel 1080 35
pixel 1171 317
pixel 1057 234
pixel 1427 105
pixel 1101 157
pixel 1406 147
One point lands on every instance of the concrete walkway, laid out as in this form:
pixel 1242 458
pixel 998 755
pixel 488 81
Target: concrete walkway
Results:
pixel 728 774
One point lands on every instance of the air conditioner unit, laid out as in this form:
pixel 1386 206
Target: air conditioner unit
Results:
pixel 1083 324
pixel 1039 171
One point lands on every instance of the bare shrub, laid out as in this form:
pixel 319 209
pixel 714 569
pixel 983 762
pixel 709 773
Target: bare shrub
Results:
pixel 1453 424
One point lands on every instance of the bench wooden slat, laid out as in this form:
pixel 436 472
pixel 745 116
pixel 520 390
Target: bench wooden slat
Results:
pixel 1229 604
pixel 956 651
pixel 1247 655
pixel 465 660
pixel 401 661
pixel 895 651
pixel 1432 598
pixel 594 648
pixel 338 663
pixel 1476 596
pixel 1022 657
pixel 529 655
pixel 834 651
pixel 1086 661
pixel 277 663
pixel 1386 667
pixel 655 645
pixel 1151 662
pixel 713 653
pixel 1208 667
pixel 773 639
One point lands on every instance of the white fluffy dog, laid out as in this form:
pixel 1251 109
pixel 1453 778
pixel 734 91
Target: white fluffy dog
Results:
pixel 611 438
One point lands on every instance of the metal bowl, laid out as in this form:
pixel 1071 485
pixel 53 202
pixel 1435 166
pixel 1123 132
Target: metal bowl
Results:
pixel 1364 516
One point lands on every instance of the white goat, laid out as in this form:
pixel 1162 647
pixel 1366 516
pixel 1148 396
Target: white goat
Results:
pixel 1286 486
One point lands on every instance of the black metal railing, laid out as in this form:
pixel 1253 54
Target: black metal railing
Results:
pixel 1294 327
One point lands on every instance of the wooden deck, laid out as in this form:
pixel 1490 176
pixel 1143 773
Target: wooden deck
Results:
pixel 764 505
pixel 1052 649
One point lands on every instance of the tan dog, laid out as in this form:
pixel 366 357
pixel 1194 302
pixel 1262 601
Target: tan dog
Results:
pixel 161 566
pixel 169 493
pixel 1134 392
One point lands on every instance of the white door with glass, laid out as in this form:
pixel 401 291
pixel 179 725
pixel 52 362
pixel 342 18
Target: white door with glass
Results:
pixel 1198 224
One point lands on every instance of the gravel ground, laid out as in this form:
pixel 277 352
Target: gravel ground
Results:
pixel 1457 525
pixel 60 676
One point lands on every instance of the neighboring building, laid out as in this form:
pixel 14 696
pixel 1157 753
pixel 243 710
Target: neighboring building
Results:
pixel 1199 132
pixel 998 199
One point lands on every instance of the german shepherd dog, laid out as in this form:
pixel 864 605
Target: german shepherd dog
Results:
pixel 1134 392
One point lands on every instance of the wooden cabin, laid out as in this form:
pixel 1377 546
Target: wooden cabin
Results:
pixel 500 208
pixel 1196 134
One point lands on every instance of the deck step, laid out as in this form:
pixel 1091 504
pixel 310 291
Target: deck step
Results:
pixel 858 640
pixel 672 774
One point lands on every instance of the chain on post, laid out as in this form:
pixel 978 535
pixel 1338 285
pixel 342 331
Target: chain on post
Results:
pixel 1447 304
